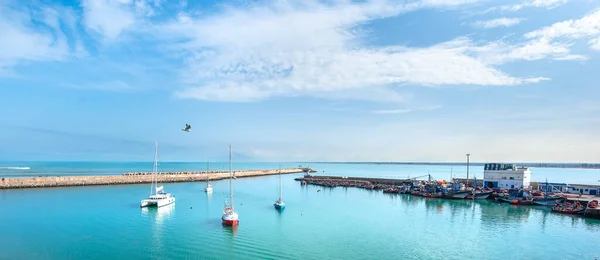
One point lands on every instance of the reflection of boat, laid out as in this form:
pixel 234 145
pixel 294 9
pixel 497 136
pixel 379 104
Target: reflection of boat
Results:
pixel 159 198
pixel 279 203
pixel 208 188
pixel 230 217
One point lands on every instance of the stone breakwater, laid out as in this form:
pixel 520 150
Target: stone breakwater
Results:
pixel 133 178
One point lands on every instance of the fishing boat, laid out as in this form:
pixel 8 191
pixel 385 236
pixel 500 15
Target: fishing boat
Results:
pixel 569 207
pixel 230 217
pixel 159 197
pixel 546 200
pixel 521 201
pixel 279 203
pixel 208 188
pixel 456 194
pixel 479 195
pixel 391 190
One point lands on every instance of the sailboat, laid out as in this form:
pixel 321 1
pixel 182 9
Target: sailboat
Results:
pixel 230 217
pixel 160 197
pixel 279 203
pixel 208 188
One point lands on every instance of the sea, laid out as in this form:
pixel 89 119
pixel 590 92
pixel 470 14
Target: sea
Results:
pixel 106 222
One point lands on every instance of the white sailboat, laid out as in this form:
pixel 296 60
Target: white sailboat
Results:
pixel 230 217
pixel 159 198
pixel 279 203
pixel 208 188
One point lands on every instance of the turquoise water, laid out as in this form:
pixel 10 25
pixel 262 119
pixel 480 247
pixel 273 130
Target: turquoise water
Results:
pixel 105 222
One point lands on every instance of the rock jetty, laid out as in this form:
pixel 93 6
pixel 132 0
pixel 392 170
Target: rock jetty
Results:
pixel 135 178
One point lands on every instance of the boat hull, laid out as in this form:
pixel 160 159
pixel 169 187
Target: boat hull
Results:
pixel 546 202
pixel 230 222
pixel 277 206
pixel 208 189
pixel 456 195
pixel 157 203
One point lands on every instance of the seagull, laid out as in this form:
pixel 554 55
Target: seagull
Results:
pixel 188 128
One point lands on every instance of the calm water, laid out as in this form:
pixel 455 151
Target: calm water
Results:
pixel 106 222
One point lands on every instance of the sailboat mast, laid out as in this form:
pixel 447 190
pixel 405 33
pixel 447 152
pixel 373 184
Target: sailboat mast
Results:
pixel 280 182
pixel 230 177
pixel 154 168
pixel 207 166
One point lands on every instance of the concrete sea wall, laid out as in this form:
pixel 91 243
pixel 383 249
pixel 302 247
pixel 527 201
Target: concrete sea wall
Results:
pixel 132 178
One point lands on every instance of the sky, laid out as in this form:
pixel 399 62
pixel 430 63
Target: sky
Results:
pixel 310 80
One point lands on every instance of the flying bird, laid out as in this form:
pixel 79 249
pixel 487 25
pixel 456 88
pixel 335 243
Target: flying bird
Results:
pixel 188 128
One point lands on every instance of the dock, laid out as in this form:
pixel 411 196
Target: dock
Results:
pixel 136 178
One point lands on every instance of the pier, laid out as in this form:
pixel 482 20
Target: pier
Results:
pixel 136 178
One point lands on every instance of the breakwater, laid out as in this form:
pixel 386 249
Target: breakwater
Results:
pixel 135 178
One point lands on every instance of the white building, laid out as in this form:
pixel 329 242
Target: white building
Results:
pixel 507 176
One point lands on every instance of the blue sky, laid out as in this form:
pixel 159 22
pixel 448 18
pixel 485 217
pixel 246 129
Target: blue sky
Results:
pixel 381 80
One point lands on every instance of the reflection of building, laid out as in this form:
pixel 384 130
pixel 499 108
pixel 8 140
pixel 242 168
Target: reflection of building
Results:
pixel 508 176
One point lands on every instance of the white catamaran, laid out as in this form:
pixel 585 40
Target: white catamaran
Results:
pixel 159 198
pixel 208 188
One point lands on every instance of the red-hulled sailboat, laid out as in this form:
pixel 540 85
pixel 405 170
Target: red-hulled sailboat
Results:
pixel 230 217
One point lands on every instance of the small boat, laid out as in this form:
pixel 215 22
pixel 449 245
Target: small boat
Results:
pixel 208 188
pixel 230 217
pixel 456 194
pixel 592 204
pixel 548 201
pixel 279 203
pixel 391 190
pixel 521 201
pixel 159 198
pixel 480 195
pixel 567 207
pixel 433 195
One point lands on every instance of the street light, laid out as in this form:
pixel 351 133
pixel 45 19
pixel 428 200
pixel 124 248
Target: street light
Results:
pixel 468 169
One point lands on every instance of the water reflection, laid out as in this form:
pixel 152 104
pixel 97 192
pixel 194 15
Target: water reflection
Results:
pixel 230 230
pixel 159 214
pixel 409 200
pixel 435 205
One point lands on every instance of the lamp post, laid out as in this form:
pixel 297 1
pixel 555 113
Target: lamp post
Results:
pixel 468 169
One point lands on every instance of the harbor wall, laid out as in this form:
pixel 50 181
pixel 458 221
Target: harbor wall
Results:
pixel 127 178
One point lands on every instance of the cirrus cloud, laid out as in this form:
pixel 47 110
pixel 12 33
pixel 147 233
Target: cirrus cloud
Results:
pixel 297 48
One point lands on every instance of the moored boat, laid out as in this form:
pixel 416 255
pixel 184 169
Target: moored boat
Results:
pixel 160 197
pixel 456 194
pixel 208 188
pixel 230 217
pixel 569 207
pixel 279 203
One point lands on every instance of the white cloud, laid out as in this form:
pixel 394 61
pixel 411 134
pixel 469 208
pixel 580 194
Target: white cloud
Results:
pixel 595 44
pixel 391 111
pixel 110 18
pixel 499 22
pixel 21 40
pixel 588 25
pixel 548 4
pixel 298 48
